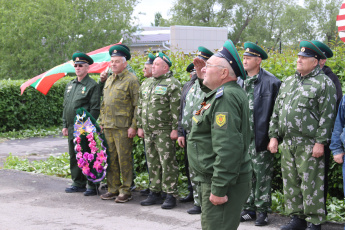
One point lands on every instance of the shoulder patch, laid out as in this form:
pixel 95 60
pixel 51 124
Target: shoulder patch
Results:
pixel 221 120
pixel 220 92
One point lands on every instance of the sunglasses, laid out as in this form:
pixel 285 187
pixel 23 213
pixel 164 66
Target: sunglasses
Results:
pixel 78 65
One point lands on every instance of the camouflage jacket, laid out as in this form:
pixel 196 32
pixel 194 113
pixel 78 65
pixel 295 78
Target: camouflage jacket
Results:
pixel 120 99
pixel 159 103
pixel 305 109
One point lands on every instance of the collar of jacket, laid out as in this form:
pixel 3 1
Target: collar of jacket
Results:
pixel 164 76
pixel 83 81
pixel 122 74
pixel 316 71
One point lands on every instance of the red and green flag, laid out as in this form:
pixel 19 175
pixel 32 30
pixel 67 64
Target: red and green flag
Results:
pixel 44 81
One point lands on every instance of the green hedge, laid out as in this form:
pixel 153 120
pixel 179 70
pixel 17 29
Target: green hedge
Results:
pixel 33 109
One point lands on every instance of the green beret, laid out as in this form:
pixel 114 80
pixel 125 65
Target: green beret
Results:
pixel 81 58
pixel 120 50
pixel 254 50
pixel 229 52
pixel 204 53
pixel 150 59
pixel 165 58
pixel 190 68
pixel 324 48
pixel 308 49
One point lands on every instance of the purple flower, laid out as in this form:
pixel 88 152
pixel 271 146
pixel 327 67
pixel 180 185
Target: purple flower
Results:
pixel 98 166
pixel 90 157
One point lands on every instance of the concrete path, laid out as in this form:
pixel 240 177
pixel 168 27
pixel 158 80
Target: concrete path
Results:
pixel 35 201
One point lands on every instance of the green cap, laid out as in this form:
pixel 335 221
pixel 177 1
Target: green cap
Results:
pixel 82 58
pixel 165 58
pixel 190 68
pixel 324 48
pixel 254 50
pixel 150 59
pixel 229 52
pixel 120 50
pixel 204 53
pixel 308 49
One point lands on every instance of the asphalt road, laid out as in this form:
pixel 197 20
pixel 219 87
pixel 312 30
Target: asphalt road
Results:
pixel 35 201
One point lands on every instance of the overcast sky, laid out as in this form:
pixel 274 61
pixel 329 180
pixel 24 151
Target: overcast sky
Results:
pixel 148 8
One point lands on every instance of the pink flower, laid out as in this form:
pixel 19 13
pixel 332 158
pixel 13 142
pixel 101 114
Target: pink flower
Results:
pixel 79 155
pixel 86 155
pixel 86 170
pixel 90 157
pixel 90 136
pixel 101 156
pixel 78 148
pixel 78 139
pixel 98 166
pixel 81 163
pixel 92 175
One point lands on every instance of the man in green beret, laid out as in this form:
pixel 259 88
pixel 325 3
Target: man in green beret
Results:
pixel 80 92
pixel 191 97
pixel 262 88
pixel 118 120
pixel 219 140
pixel 147 73
pixel 327 70
pixel 158 110
pixel 302 122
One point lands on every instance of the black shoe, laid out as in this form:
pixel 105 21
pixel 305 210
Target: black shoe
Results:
pixel 247 215
pixel 73 189
pixel 262 219
pixel 169 203
pixel 314 227
pixel 194 210
pixel 145 192
pixel 164 195
pixel 153 198
pixel 295 224
pixel 90 192
pixel 188 198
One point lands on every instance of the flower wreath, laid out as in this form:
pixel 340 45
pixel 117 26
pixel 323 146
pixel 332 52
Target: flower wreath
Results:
pixel 90 147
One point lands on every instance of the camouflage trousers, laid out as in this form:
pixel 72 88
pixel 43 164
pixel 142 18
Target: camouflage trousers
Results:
pixel 303 180
pixel 119 160
pixel 260 195
pixel 161 161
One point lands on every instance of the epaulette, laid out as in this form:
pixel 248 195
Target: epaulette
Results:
pixel 220 92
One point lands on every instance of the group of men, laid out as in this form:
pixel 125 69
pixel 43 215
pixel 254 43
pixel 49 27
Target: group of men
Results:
pixel 229 118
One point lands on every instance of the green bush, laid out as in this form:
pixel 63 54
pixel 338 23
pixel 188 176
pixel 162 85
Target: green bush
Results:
pixel 33 109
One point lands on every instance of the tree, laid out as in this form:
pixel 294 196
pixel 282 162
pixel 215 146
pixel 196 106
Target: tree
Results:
pixel 37 35
pixel 158 17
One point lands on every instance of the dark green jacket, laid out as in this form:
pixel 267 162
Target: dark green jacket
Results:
pixel 219 139
pixel 84 94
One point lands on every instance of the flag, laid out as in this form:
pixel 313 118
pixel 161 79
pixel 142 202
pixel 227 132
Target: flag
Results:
pixel 341 22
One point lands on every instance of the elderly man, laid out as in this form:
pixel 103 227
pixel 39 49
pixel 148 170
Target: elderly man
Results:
pixel 302 119
pixel 80 92
pixel 262 88
pixel 158 110
pixel 191 97
pixel 219 140
pixel 118 119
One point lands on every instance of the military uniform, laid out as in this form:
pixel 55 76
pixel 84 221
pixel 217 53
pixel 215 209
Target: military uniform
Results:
pixel 158 110
pixel 118 110
pixel 86 94
pixel 218 148
pixel 303 115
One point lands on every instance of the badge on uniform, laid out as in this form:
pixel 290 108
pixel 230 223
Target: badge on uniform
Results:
pixel 83 90
pixel 221 120
pixel 161 90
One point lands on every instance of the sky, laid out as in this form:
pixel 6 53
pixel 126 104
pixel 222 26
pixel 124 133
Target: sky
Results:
pixel 146 9
pixel 149 8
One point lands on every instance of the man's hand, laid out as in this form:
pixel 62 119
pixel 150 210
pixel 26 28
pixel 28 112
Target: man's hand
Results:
pixel 318 150
pixel 174 135
pixel 216 200
pixel 141 133
pixel 339 158
pixel 198 65
pixel 131 132
pixel 65 131
pixel 273 145
pixel 181 142
pixel 104 75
